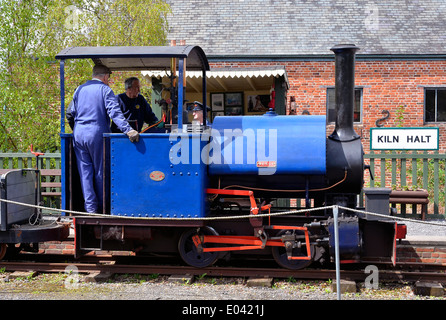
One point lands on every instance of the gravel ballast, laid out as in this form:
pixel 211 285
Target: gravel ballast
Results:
pixel 154 287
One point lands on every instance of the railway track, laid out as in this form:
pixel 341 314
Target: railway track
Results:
pixel 410 273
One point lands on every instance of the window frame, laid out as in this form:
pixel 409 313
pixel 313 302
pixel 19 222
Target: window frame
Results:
pixel 361 109
pixel 436 89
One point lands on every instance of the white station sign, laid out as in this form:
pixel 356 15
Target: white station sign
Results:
pixel 404 138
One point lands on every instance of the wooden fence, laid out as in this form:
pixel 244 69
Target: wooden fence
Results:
pixel 49 166
pixel 411 170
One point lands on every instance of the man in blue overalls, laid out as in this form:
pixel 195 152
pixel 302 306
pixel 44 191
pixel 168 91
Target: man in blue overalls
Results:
pixel 94 103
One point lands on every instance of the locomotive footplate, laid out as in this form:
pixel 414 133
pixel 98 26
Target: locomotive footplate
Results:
pixel 143 222
pixel 106 233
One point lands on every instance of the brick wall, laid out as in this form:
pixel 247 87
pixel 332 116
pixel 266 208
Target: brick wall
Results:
pixel 429 254
pixel 66 247
pixel 57 247
pixel 397 86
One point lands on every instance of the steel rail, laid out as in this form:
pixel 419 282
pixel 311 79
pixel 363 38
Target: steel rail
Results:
pixel 307 274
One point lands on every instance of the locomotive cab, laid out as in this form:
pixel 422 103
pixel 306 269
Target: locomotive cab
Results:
pixel 115 146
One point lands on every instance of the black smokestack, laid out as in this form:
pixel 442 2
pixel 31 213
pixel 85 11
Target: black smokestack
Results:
pixel 344 91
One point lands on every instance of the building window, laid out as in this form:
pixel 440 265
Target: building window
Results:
pixel 434 104
pixel 331 106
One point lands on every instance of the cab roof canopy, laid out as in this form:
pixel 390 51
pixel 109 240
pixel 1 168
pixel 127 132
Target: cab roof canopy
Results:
pixel 139 58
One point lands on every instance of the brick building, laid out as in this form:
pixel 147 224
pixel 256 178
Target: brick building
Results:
pixel 400 69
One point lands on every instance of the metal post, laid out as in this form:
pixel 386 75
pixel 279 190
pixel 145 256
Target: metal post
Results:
pixel 62 96
pixel 180 94
pixel 204 96
pixel 336 235
pixel 62 131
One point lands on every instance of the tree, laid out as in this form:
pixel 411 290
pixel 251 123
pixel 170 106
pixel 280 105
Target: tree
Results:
pixel 34 31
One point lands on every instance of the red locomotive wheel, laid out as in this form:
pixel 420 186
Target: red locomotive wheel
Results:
pixel 189 252
pixel 281 257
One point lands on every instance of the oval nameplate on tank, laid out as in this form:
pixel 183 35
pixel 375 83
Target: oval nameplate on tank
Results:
pixel 157 175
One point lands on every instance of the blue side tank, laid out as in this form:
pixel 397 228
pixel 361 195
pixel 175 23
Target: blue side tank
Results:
pixel 159 176
pixel 268 145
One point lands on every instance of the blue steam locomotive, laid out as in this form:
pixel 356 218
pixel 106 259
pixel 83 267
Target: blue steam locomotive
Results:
pixel 207 192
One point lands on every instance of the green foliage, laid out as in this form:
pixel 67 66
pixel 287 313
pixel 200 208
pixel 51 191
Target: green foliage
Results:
pixel 34 31
pixel 135 22
pixel 400 116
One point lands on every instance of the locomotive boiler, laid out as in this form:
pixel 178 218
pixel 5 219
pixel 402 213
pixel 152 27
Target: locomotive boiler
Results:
pixel 211 193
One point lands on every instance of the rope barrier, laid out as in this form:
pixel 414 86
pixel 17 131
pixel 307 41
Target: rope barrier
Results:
pixel 82 214
pixel 392 217
pixel 262 215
